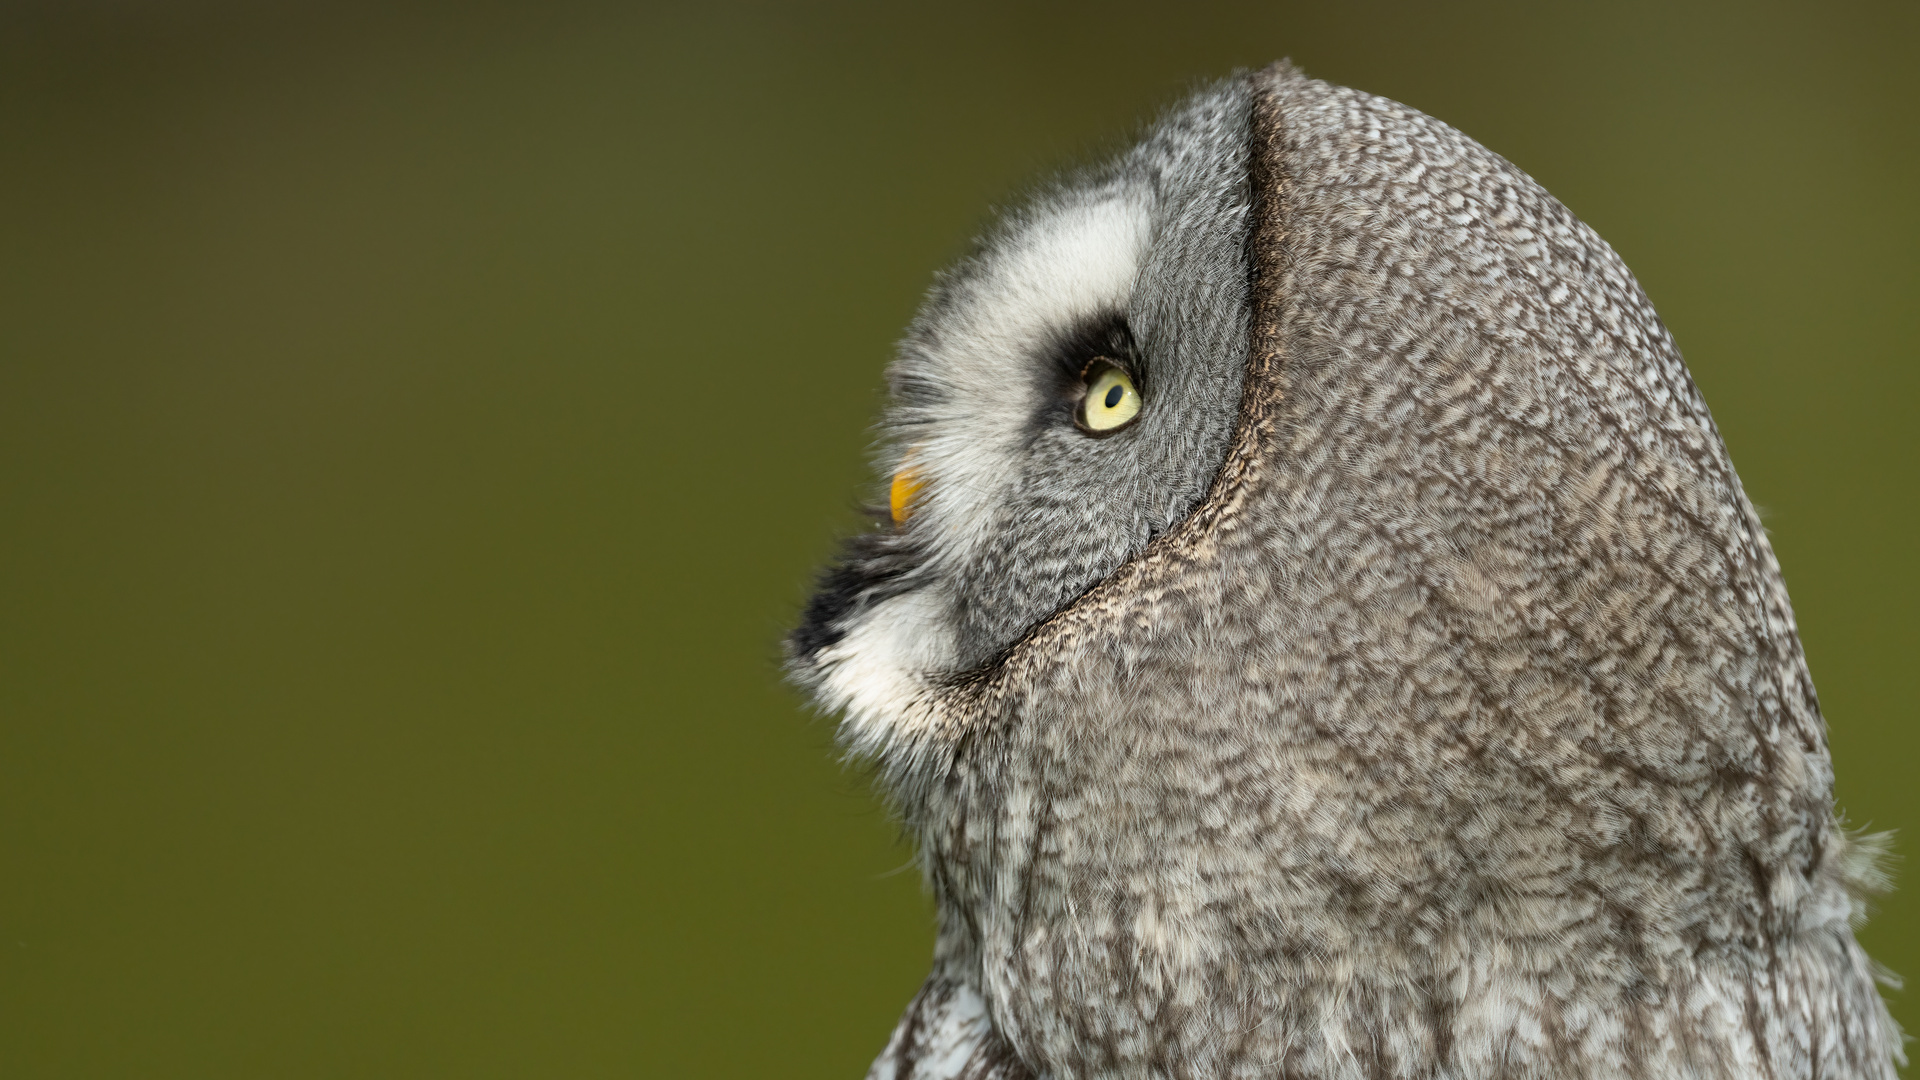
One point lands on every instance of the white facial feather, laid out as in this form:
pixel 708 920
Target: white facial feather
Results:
pixel 877 675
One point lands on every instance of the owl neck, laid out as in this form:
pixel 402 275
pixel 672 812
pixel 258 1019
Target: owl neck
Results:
pixel 1111 914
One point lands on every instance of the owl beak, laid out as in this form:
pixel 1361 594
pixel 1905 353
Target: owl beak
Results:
pixel 906 488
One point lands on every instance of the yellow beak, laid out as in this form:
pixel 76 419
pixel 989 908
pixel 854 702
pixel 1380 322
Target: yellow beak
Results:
pixel 906 488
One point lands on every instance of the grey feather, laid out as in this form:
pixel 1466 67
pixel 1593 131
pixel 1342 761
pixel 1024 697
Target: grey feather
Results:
pixel 1412 692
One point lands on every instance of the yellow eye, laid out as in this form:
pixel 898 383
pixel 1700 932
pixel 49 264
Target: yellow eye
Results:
pixel 1111 402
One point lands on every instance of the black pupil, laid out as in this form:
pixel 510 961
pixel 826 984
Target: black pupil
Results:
pixel 1114 393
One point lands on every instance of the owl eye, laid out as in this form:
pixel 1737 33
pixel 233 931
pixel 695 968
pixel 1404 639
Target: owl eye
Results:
pixel 1110 401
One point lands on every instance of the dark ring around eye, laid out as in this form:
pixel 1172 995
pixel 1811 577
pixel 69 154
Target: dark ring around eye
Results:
pixel 1098 363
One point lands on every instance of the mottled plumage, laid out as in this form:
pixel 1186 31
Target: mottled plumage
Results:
pixel 1410 692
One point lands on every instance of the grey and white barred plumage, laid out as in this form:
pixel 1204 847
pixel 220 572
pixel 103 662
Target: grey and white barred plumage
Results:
pixel 1411 692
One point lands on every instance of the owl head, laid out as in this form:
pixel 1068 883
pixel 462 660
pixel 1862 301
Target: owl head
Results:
pixel 1315 621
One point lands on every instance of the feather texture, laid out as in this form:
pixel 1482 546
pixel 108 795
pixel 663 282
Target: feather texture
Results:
pixel 1455 726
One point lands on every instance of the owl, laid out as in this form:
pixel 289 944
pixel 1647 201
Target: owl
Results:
pixel 1315 631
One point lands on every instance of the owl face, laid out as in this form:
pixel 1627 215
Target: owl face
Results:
pixel 1065 395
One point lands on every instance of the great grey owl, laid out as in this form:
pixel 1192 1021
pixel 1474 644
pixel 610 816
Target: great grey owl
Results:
pixel 1319 634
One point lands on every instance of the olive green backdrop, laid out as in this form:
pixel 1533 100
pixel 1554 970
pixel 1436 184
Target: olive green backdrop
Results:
pixel 418 426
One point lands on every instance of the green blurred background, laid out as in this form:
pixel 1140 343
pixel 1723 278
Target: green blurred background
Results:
pixel 419 424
